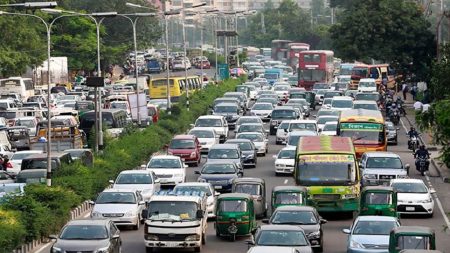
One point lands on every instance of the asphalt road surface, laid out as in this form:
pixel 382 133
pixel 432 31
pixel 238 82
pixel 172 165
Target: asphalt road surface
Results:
pixel 335 241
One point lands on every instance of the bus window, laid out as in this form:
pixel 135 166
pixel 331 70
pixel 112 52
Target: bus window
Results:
pixel 374 73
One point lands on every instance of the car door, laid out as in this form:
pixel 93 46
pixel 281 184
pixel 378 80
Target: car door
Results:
pixel 115 242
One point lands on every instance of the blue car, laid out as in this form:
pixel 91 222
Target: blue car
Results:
pixel 220 175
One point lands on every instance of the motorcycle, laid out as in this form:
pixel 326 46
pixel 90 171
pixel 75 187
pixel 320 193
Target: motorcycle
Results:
pixel 413 143
pixel 402 111
pixel 422 165
pixel 395 116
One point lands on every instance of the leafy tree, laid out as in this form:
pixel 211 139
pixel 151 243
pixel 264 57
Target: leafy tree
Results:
pixel 392 31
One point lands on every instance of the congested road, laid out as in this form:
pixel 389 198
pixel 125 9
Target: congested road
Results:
pixel 335 240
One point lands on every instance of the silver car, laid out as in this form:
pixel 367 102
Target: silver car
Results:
pixel 370 234
pixel 380 167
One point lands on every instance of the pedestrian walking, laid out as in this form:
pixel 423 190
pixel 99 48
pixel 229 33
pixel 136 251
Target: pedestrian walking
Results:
pixel 404 90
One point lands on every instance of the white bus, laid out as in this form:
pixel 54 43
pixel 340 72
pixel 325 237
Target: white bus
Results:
pixel 17 85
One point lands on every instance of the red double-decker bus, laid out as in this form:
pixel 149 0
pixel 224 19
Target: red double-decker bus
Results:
pixel 294 50
pixel 280 50
pixel 315 66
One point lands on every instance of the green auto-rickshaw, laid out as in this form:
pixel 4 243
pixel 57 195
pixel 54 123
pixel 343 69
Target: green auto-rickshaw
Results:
pixel 378 200
pixel 256 187
pixel 235 215
pixel 288 196
pixel 411 237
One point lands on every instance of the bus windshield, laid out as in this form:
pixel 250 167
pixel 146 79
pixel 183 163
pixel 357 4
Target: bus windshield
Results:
pixel 326 170
pixel 317 75
pixel 363 133
pixel 360 71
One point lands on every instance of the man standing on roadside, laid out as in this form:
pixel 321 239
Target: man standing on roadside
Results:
pixel 404 90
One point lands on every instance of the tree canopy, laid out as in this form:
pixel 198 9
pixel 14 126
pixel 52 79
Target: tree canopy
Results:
pixel 393 31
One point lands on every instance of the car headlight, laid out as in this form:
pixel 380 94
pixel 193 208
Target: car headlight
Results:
pixel 192 238
pixel 56 250
pixel 130 214
pixel 349 196
pixel 370 176
pixel 250 156
pixel 355 244
pixel 193 154
pixel 314 234
pixel 279 165
pixel 150 237
pixel 103 250
pixel 96 214
pixel 400 201
pixel 425 201
pixel 178 175
pixel 201 180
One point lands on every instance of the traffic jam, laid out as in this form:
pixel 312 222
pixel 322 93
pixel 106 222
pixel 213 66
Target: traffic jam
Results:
pixel 310 154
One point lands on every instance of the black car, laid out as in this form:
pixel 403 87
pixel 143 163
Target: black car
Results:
pixel 248 150
pixel 282 236
pixel 305 217
pixel 219 174
pixel 230 111
pixel 282 113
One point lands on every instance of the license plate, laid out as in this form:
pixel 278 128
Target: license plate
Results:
pixel 172 244
pixel 217 187
pixel 410 208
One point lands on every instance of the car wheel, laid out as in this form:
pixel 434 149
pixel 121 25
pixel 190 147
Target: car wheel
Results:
pixel 277 174
pixel 138 224
pixel 277 142
pixel 199 248
pixel 203 239
pixel 149 250
pixel 430 215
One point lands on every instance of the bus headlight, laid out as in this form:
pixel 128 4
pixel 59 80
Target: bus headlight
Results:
pixel 349 196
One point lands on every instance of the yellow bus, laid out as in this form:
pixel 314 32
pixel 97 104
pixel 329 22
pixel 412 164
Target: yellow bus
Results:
pixel 158 87
pixel 365 127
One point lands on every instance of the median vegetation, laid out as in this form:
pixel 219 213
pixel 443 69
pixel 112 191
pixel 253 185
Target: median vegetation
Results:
pixel 44 210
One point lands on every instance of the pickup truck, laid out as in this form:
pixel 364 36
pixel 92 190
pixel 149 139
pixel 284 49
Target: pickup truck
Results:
pixel 62 138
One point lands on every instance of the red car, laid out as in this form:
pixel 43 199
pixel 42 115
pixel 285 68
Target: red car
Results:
pixel 206 64
pixel 187 147
pixel 153 112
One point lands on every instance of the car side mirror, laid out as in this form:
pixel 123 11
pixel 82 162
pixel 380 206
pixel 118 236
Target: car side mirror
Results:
pixel 111 181
pixel 166 146
pixel 346 231
pixel 141 203
pixel 284 142
pixel 53 237
pixel 323 221
pixel 407 166
pixel 216 193
pixel 91 202
pixel 143 166
pixel 191 125
pixel 199 214
pixel 197 172
pixel 274 156
pixel 116 236
pixel 432 191
pixel 265 221
pixel 157 181
pixel 185 165
pixel 398 128
pixel 250 242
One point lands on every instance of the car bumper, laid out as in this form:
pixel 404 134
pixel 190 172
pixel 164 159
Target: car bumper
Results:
pixel 261 150
pixel 172 244
pixel 358 250
pixel 171 181
pixel 415 208
pixel 124 221
pixel 284 170
pixel 221 187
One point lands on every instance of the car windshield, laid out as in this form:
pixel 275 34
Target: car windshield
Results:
pixel 245 146
pixel 225 109
pixel 262 106
pixel 288 113
pixel 367 85
pixel 244 120
pixel 172 210
pixel 119 106
pixel 413 242
pixel 292 217
pixel 365 106
pixel 193 188
pixel 320 86
pixel 364 227
pixel 384 163
pixel 404 187
pixel 202 133
pixel 342 103
pixel 330 127
pixel 283 125
pixel 302 126
pixel 287 154
pixel 219 169
pixel 378 198
pixel 208 123
pixel 281 88
pixel 182 144
pixel 323 120
pixel 25 122
pixel 20 156
pixel 138 178
pixel 366 96
pixel 217 153
pixel 267 100
pixel 84 232
pixel 158 163
pixel 250 128
pixel 328 113
pixel 233 206
pixel 252 137
pixel 116 198
pixel 6 188
pixel 252 189
pixel 281 238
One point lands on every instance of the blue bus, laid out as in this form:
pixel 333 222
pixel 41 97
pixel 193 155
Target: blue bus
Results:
pixel 273 75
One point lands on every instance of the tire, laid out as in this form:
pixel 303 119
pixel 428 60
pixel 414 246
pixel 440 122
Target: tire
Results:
pixel 148 250
pixel 430 215
pixel 217 232
pixel 277 142
pixel 138 224
pixel 272 132
pixel 199 248
pixel 203 239
pixel 233 237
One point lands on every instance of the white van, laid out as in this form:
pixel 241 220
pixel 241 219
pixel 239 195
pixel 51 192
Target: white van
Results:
pixel 367 85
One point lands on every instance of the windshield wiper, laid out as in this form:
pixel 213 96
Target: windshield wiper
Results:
pixel 359 138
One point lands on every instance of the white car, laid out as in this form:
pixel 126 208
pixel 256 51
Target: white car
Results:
pixel 206 136
pixel 169 169
pixel 330 128
pixel 29 122
pixel 365 104
pixel 341 103
pixel 216 122
pixel 285 160
pixel 282 132
pixel 253 91
pixel 302 125
pixel 248 119
pixel 16 159
pixel 262 110
pixel 326 104
pixel 322 120
pixel 259 139
pixel 122 206
pixel 143 181
pixel 282 90
pixel 413 196
pixel 367 85
pixel 294 137
pixel 201 187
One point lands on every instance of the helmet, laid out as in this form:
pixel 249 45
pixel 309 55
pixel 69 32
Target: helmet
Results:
pixel 412 128
pixel 422 147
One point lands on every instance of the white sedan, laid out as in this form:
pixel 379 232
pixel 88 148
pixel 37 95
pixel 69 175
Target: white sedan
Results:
pixel 413 196
pixel 201 187
pixel 262 110
pixel 285 160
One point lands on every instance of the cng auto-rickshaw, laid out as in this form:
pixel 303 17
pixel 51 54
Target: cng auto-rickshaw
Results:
pixel 378 200
pixel 288 196
pixel 411 237
pixel 256 188
pixel 235 215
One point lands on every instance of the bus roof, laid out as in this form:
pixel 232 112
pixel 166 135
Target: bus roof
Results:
pixel 327 52
pixel 325 144
pixel 175 77
pixel 277 41
pixel 358 115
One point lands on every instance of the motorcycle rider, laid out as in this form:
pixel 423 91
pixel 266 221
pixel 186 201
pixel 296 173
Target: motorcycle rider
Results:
pixel 399 103
pixel 392 110
pixel 422 153
pixel 412 133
